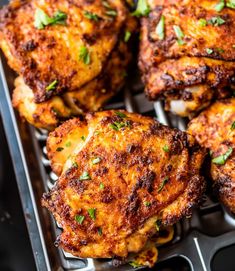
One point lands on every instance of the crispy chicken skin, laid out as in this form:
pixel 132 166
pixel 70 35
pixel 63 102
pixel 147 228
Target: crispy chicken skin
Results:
pixel 90 97
pixel 193 63
pixel 43 56
pixel 214 129
pixel 120 173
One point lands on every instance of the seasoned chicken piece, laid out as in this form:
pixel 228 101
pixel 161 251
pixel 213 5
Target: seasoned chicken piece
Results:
pixel 187 53
pixel 214 129
pixel 90 97
pixel 59 46
pixel 121 177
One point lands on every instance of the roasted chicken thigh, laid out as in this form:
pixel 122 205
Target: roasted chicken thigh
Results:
pixel 214 129
pixel 187 54
pixel 121 176
pixel 77 49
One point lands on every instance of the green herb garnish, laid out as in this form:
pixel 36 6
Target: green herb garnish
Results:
pixel 165 180
pixel 92 213
pixel 75 165
pixel 219 6
pixel 216 21
pixel 209 51
pixel 119 125
pixel 142 9
pixel 96 160
pixel 202 22
pixel 91 16
pixel 59 149
pixel 179 34
pixel 99 231
pixel 83 138
pixel 221 160
pixel 127 36
pixel 158 224
pixel 134 264
pixel 166 148
pixel 85 176
pixel 84 55
pixel 230 4
pixel 101 186
pixel 121 114
pixel 147 203
pixel 52 85
pixel 41 19
pixel 111 12
pixel 68 144
pixel 233 126
pixel 79 218
pixel 160 29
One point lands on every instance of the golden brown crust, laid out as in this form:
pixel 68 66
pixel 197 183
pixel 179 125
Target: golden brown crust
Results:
pixel 132 170
pixel 213 130
pixel 90 97
pixel 44 55
pixel 206 59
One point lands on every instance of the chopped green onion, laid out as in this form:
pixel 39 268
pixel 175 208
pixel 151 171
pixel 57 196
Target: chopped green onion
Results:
pixel 134 264
pixel 99 231
pixel 209 51
pixel 75 165
pixel 166 148
pixel 111 12
pixel 79 218
pixel 219 6
pixel 230 4
pixel 120 114
pixel 68 144
pixel 41 19
pixel 216 21
pixel 179 34
pixel 202 22
pixel 147 203
pixel 221 160
pixel 83 138
pixel 160 29
pixel 233 126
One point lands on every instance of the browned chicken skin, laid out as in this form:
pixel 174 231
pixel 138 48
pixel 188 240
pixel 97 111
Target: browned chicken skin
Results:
pixel 189 60
pixel 214 129
pixel 120 174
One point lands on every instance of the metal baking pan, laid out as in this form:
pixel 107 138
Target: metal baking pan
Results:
pixel 196 239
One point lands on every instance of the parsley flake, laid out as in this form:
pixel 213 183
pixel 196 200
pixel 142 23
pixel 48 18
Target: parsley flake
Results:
pixel 85 176
pixel 96 160
pixel 147 203
pixel 92 213
pixel 202 22
pixel 101 186
pixel 52 85
pixel 68 144
pixel 162 185
pixel 83 138
pixel 41 19
pixel 79 218
pixel 91 16
pixel 209 51
pixel 166 148
pixel 221 160
pixel 142 9
pixel 160 29
pixel 127 36
pixel 84 55
pixel 233 126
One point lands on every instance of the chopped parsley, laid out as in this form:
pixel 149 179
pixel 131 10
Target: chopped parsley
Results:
pixel 220 5
pixel 127 36
pixel 85 176
pixel 209 51
pixel 202 22
pixel 41 19
pixel 96 160
pixel 220 160
pixel 119 125
pixel 160 29
pixel 59 149
pixel 147 203
pixel 121 114
pixel 99 231
pixel 68 144
pixel 52 85
pixel 83 138
pixel 233 126
pixel 101 186
pixel 84 55
pixel 162 185
pixel 134 264
pixel 216 21
pixel 142 9
pixel 92 213
pixel 91 16
pixel 166 148
pixel 79 218
pixel 179 34
pixel 75 165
